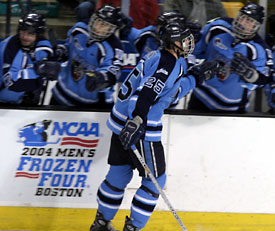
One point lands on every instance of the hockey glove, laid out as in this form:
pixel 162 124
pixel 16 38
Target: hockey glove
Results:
pixel 127 24
pixel 96 81
pixel 132 132
pixel 205 71
pixel 48 69
pixel 195 29
pixel 77 70
pixel 224 71
pixel 61 53
pixel 243 67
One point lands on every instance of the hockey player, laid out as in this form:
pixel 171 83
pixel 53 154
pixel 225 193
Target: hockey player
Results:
pixel 94 62
pixel 24 62
pixel 159 78
pixel 246 61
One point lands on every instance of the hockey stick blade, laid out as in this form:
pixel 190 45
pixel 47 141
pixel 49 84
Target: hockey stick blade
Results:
pixel 161 192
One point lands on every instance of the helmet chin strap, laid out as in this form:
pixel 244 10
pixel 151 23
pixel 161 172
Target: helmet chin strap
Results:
pixel 179 51
pixel 26 48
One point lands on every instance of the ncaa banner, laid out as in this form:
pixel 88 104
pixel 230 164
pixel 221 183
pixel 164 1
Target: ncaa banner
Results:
pixel 52 158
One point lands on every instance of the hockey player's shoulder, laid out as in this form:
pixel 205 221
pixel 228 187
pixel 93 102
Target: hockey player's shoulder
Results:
pixel 148 31
pixel 11 44
pixel 13 39
pixel 167 61
pixel 159 56
pixel 220 21
pixel 80 28
pixel 258 39
pixel 43 44
pixel 81 25
pixel 151 54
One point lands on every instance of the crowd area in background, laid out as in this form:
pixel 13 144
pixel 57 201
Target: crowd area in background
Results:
pixel 87 68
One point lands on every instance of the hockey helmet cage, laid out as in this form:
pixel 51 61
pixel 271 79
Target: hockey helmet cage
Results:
pixel 104 22
pixel 248 21
pixel 173 32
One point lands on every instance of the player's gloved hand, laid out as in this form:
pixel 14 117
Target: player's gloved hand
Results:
pixel 224 71
pixel 77 70
pixel 205 71
pixel 132 132
pixel 243 67
pixel 96 81
pixel 195 29
pixel 61 53
pixel 48 69
pixel 127 23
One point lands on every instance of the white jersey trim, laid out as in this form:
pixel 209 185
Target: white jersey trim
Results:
pixel 217 27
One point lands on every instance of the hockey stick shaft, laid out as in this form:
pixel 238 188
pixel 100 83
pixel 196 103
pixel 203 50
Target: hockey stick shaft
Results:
pixel 161 192
pixel 52 39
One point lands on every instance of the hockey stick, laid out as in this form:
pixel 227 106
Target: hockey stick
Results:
pixel 52 39
pixel 161 192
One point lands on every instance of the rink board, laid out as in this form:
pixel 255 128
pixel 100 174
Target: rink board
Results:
pixel 58 219
pixel 220 171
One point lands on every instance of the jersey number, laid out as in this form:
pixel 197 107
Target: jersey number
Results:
pixel 157 85
pixel 128 85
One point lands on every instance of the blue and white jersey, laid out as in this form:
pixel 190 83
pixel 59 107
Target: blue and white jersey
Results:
pixel 17 68
pixel 144 40
pixel 137 44
pixel 84 55
pixel 157 81
pixel 228 92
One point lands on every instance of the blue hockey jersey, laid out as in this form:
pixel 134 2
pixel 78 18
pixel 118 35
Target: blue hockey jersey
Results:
pixel 144 40
pixel 229 92
pixel 17 72
pixel 157 81
pixel 85 55
pixel 136 44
